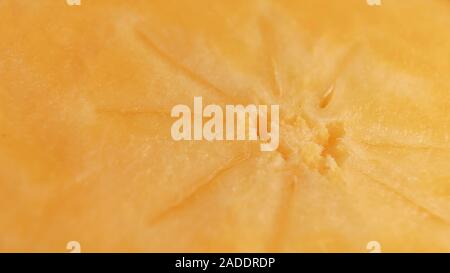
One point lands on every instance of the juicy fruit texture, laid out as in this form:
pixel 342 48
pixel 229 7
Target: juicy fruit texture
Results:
pixel 85 146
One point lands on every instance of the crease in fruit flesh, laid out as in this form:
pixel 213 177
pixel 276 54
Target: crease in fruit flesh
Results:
pixel 408 199
pixel 326 98
pixel 282 218
pixel 148 43
pixel 200 188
